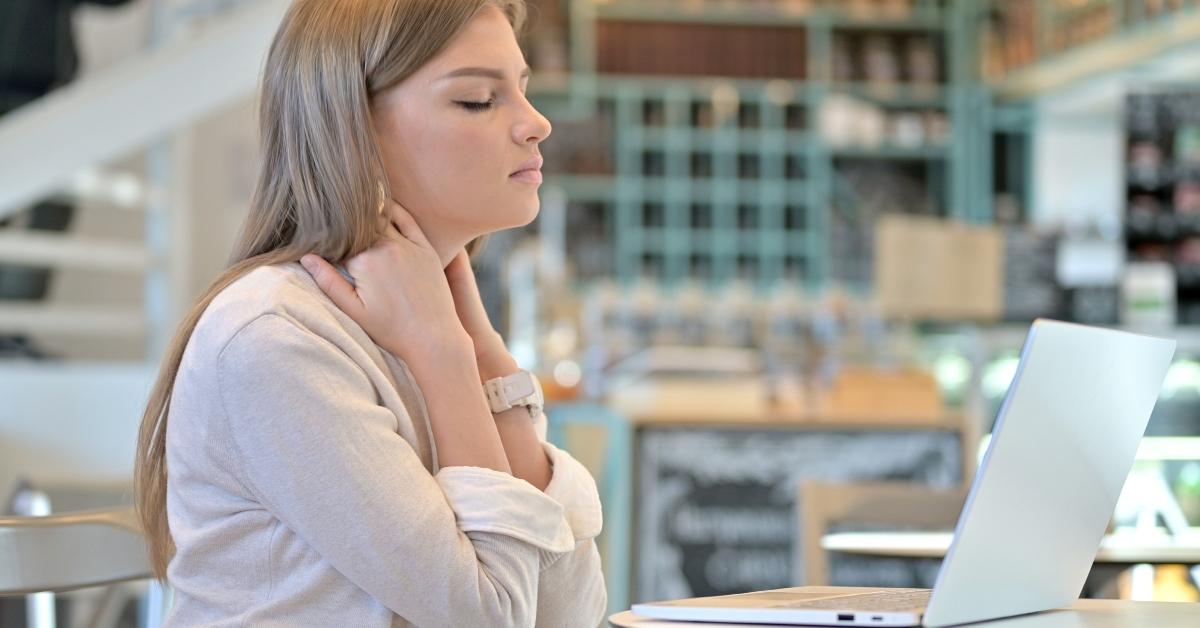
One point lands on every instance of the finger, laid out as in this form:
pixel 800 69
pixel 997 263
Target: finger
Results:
pixel 467 302
pixel 455 276
pixel 459 270
pixel 334 285
pixel 406 224
pixel 456 263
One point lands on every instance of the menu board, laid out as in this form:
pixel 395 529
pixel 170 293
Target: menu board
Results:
pixel 716 507
pixel 1030 288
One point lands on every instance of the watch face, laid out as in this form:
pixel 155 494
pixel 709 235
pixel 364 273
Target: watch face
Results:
pixel 521 385
pixel 519 389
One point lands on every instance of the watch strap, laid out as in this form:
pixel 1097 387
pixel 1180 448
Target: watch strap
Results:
pixel 504 393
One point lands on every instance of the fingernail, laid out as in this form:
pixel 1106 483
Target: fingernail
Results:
pixel 307 263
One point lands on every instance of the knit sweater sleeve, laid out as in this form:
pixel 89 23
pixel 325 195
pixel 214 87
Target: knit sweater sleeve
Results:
pixel 465 548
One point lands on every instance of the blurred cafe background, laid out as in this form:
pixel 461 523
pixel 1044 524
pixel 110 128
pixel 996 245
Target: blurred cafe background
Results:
pixel 787 255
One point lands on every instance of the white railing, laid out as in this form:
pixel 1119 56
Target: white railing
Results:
pixel 131 106
pixel 208 55
pixel 78 419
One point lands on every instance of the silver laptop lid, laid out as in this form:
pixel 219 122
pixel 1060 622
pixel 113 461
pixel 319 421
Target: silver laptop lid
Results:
pixel 1062 446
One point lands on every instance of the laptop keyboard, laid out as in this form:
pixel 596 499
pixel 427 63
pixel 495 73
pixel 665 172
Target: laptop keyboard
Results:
pixel 897 600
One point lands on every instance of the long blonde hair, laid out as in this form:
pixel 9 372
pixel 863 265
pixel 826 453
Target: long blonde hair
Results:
pixel 317 189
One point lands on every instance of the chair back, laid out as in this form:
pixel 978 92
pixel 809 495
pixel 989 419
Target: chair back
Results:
pixel 69 551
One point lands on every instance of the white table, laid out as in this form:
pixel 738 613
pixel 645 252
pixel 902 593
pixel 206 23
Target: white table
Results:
pixel 1118 548
pixel 1082 614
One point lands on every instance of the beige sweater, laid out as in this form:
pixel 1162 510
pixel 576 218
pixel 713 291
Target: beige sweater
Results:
pixel 304 489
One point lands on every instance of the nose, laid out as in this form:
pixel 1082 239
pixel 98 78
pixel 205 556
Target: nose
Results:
pixel 532 127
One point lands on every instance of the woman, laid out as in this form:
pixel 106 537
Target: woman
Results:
pixel 318 449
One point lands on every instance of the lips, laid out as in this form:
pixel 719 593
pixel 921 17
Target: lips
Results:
pixel 532 164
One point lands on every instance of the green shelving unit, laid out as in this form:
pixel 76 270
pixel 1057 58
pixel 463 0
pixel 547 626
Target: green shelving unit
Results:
pixel 720 178
pixel 705 173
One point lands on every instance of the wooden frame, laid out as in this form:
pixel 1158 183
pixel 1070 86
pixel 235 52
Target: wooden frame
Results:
pixel 901 504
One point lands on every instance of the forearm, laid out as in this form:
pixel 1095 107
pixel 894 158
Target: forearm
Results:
pixel 523 449
pixel 463 428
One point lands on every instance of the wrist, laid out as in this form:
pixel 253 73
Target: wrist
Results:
pixel 436 350
pixel 497 365
pixel 487 344
pixel 493 358
pixel 445 371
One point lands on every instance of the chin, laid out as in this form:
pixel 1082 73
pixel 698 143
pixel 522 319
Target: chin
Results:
pixel 530 213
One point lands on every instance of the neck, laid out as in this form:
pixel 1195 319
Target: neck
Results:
pixel 447 245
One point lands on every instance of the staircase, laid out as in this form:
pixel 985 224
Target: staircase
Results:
pixel 77 419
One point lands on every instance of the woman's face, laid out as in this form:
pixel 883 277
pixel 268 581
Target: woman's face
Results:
pixel 454 133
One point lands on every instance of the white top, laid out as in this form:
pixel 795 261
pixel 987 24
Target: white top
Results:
pixel 303 487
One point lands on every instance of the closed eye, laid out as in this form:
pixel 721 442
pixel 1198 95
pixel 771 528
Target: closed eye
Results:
pixel 471 105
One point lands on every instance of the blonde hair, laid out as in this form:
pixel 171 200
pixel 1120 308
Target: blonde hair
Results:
pixel 317 189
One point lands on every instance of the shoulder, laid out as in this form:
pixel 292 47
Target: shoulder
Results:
pixel 280 296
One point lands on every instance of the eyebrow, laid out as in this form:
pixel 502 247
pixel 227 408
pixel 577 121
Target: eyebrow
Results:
pixel 491 73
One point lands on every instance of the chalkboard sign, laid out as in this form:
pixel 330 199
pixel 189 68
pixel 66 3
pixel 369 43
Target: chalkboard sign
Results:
pixel 1030 287
pixel 716 507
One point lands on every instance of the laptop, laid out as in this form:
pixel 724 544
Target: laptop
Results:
pixel 1063 443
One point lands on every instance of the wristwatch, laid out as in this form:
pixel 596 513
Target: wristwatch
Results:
pixel 519 389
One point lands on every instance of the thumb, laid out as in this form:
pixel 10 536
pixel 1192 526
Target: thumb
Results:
pixel 331 282
pixel 459 271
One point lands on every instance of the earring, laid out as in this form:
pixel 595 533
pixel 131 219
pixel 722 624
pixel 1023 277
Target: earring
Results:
pixel 382 197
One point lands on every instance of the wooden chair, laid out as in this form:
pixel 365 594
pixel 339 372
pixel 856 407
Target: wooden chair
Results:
pixel 902 505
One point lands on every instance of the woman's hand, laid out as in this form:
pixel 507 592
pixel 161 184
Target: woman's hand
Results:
pixel 400 295
pixel 490 351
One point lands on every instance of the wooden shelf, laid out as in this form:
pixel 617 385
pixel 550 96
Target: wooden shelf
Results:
pixel 641 11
